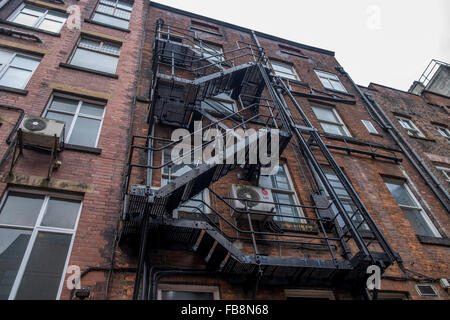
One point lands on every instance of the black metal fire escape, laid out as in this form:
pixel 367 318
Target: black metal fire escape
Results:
pixel 184 77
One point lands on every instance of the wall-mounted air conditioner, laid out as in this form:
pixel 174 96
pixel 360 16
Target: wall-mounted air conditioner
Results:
pixel 257 200
pixel 41 132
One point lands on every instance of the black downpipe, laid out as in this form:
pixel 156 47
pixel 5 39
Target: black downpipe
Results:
pixel 404 145
pixel 19 120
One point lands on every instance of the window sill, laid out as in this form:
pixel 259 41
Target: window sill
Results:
pixel 100 73
pixel 422 138
pixel 106 25
pixel 14 90
pixel 83 149
pixel 435 241
pixel 376 134
pixel 340 92
pixel 18 25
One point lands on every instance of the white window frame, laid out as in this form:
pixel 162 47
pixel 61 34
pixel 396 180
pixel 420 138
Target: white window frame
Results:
pixel 282 74
pixel 444 132
pixel 99 50
pixel 188 288
pixel 291 192
pixel 164 176
pixel 326 78
pixel 410 127
pixel 345 200
pixel 77 114
pixel 114 10
pixel 3 2
pixel 445 172
pixel 302 293
pixel 370 127
pixel 5 68
pixel 418 206
pixel 40 19
pixel 338 117
pixel 213 53
pixel 436 293
pixel 38 228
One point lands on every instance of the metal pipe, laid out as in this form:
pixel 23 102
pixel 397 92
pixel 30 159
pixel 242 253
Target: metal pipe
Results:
pixel 19 120
pixel 404 145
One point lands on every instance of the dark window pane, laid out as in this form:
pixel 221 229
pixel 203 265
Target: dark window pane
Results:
pixel 185 295
pixel 13 244
pixel 418 222
pixel 61 214
pixel 21 209
pixel 44 270
pixel 111 20
pixel 92 109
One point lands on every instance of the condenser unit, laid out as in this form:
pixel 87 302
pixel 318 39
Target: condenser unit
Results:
pixel 41 132
pixel 255 199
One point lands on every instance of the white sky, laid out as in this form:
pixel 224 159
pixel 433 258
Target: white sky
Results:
pixel 381 41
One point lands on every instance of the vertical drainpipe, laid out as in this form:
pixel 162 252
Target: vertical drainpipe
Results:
pixel 404 145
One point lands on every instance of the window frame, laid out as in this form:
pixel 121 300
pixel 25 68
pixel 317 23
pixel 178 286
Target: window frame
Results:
pixel 292 192
pixel 188 288
pixel 169 177
pixel 324 75
pixel 412 125
pixel 443 131
pixel 76 115
pixel 112 15
pixel 206 49
pixel 39 21
pixel 340 122
pixel 102 42
pixel 419 207
pixel 4 68
pixel 370 127
pixel 221 101
pixel 38 228
pixel 445 172
pixel 281 73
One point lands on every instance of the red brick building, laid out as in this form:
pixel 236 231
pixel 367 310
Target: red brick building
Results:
pixel 345 197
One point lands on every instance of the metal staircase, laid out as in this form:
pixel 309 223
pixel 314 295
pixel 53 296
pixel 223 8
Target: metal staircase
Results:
pixel 347 241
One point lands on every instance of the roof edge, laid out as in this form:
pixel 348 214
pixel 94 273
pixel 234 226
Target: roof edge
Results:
pixel 239 28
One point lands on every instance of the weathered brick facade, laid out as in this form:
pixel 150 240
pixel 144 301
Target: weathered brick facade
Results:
pixel 98 174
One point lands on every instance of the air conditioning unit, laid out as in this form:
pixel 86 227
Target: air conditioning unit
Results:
pixel 41 132
pixel 248 195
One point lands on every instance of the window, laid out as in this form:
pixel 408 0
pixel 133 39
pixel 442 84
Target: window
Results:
pixel 284 195
pixel 445 172
pixel 39 18
pixel 96 55
pixel 36 234
pixel 187 292
pixel 170 173
pixel 330 81
pixel 3 2
pixel 284 70
pixel 410 127
pixel 370 127
pixel 427 290
pixel 212 53
pixel 83 119
pixel 221 104
pixel 391 295
pixel 444 132
pixel 346 201
pixel 412 209
pixel 331 122
pixel 16 69
pixel 114 12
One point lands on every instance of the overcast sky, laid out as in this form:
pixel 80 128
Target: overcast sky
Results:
pixel 382 41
